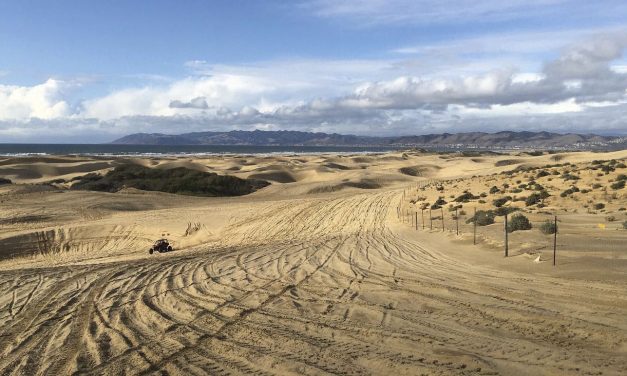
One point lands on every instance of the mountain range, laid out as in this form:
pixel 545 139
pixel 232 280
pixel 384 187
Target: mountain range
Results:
pixel 505 139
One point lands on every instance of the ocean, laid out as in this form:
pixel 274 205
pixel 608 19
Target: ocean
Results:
pixel 175 150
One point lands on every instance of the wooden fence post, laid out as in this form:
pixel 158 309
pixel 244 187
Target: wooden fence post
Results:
pixel 456 222
pixel 416 221
pixel 474 228
pixel 422 214
pixel 555 241
pixel 506 239
pixel 442 212
pixel 430 220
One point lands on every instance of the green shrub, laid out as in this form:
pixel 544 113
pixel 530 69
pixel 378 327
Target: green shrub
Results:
pixel 4 181
pixel 625 225
pixel 537 187
pixel 618 185
pixel 178 180
pixel 501 201
pixel 504 210
pixel 452 208
pixel 518 222
pixel 533 199
pixel 548 227
pixel 438 203
pixel 483 218
pixel 569 176
pixel 607 169
pixel 465 197
pixel 494 190
pixel 599 206
pixel 569 191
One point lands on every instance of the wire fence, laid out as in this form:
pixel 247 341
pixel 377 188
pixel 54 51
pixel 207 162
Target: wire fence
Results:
pixel 539 234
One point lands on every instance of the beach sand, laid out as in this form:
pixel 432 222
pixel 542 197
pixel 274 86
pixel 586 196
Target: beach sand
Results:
pixel 316 274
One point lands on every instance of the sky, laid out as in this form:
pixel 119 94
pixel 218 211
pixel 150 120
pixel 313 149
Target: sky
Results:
pixel 90 71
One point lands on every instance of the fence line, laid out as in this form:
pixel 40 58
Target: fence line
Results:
pixel 407 212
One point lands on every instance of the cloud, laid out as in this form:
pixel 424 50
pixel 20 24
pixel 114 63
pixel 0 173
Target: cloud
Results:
pixel 199 103
pixel 379 96
pixel 582 72
pixel 40 101
pixel 428 12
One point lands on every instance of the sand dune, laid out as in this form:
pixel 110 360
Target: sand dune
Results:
pixel 318 276
pixel 423 171
pixel 336 166
pixel 279 176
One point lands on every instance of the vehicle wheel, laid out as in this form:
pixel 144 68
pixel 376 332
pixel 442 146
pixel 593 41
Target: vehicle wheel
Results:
pixel 150 251
pixel 169 248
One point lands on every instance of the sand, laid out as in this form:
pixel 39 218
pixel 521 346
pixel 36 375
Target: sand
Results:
pixel 315 274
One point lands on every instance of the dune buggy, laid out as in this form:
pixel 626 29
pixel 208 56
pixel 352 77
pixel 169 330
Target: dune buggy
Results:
pixel 161 246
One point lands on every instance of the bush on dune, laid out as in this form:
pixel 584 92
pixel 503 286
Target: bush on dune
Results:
pixel 503 210
pixel 483 218
pixel 465 197
pixel 548 227
pixel 536 198
pixel 179 180
pixel 501 201
pixel 438 203
pixel 518 222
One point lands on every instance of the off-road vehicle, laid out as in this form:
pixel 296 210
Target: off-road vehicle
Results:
pixel 161 246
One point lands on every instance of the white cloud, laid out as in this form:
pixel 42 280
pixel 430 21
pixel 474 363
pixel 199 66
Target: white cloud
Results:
pixel 426 12
pixel 42 101
pixel 380 96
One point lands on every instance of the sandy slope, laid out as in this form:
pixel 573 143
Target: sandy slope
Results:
pixel 309 277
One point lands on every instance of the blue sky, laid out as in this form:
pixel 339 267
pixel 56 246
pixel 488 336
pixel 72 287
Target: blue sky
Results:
pixel 90 71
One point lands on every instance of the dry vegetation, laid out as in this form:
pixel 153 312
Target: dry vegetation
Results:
pixel 589 199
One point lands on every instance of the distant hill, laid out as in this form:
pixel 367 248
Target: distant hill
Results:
pixel 506 139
